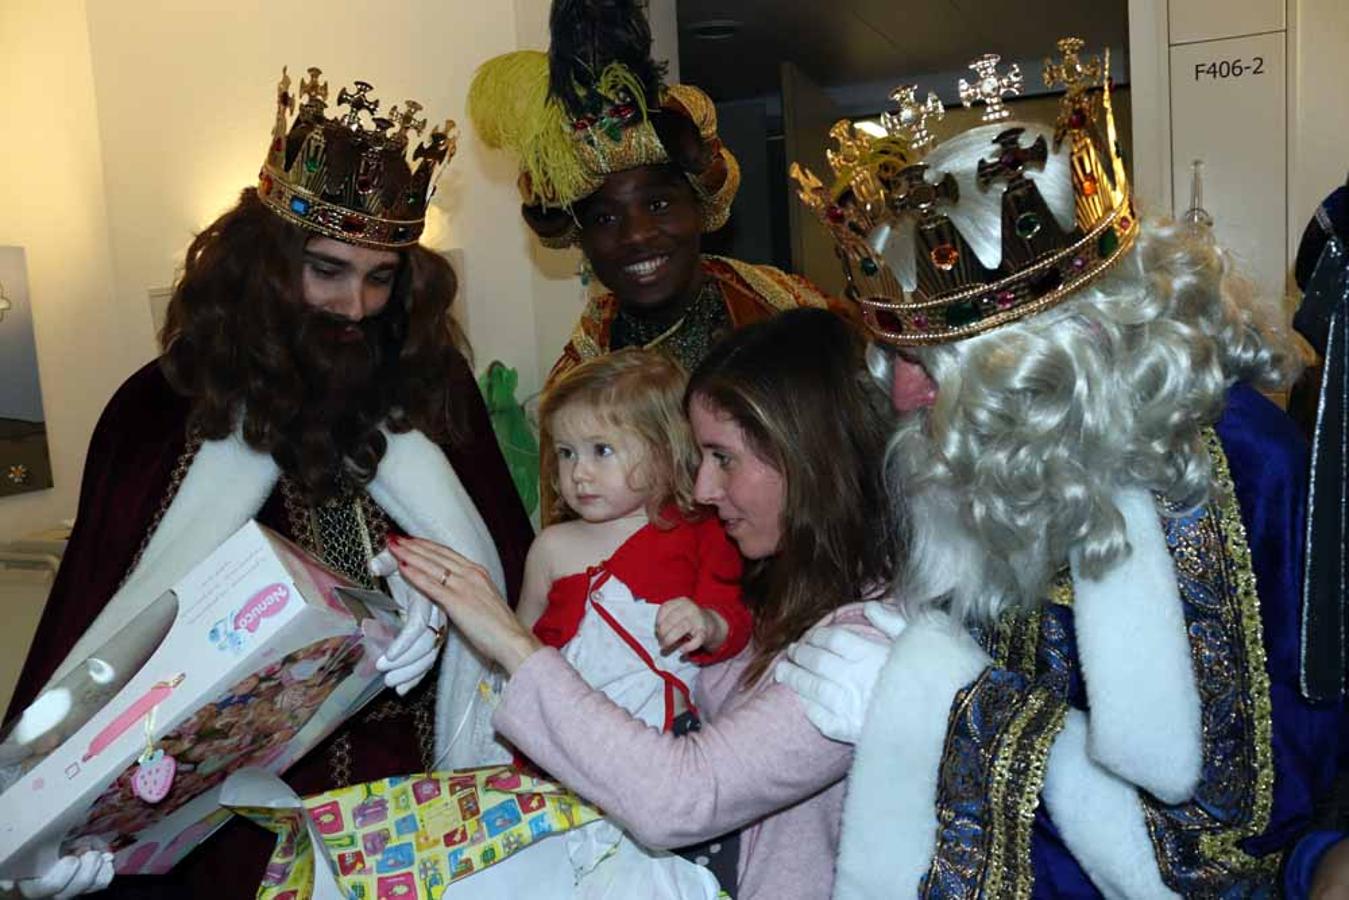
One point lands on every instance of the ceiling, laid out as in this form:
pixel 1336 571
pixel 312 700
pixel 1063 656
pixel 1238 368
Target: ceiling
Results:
pixel 837 43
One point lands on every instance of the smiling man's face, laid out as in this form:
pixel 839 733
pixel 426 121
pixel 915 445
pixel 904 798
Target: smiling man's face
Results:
pixel 641 232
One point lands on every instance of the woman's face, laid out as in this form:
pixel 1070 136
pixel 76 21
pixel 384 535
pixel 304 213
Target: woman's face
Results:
pixel 748 493
pixel 641 232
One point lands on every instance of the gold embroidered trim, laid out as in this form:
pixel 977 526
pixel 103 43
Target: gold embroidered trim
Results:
pixel 1220 551
pixel 777 288
pixel 1014 793
pixel 594 313
pixel 999 733
pixel 1222 846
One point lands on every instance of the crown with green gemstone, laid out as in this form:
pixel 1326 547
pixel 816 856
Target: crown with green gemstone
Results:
pixel 881 183
pixel 352 177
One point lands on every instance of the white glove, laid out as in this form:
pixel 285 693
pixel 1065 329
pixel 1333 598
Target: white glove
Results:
pixel 417 647
pixel 69 877
pixel 834 670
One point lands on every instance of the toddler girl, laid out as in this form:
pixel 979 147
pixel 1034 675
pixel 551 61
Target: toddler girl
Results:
pixel 632 584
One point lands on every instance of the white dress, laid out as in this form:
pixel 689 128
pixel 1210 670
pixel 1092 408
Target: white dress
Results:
pixel 606 861
pixel 599 861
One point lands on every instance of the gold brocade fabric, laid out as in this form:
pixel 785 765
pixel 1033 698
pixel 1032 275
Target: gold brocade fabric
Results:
pixel 1198 842
pixel 749 293
pixel 988 787
pixel 345 533
pixel 992 729
pixel 688 338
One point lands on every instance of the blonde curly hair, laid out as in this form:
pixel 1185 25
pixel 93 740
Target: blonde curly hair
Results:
pixel 639 391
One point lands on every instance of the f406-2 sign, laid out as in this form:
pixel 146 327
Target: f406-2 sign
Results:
pixel 1229 68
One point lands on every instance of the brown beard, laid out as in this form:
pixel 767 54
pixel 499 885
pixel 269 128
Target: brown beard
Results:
pixel 347 369
pixel 339 358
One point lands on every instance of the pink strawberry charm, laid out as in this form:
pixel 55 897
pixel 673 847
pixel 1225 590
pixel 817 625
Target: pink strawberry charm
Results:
pixel 154 777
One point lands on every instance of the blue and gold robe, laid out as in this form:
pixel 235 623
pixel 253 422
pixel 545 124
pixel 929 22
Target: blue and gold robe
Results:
pixel 969 732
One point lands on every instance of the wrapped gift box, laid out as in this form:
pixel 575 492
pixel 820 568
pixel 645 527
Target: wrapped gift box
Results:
pixel 252 659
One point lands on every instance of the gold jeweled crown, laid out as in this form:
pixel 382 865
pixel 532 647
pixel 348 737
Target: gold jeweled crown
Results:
pixel 881 182
pixel 342 179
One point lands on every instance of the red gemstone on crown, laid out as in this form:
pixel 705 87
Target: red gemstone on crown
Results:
pixel 353 224
pixel 885 320
pixel 1006 299
pixel 265 181
pixel 835 213
pixel 1089 186
pixel 945 257
pixel 1077 119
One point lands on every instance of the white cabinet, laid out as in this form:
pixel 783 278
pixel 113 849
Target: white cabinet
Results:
pixel 1229 109
pixel 1207 20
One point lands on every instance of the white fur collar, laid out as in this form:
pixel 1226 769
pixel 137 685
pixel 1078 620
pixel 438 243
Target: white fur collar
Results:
pixel 890 820
pixel 418 487
pixel 227 484
pixel 1100 819
pixel 1131 638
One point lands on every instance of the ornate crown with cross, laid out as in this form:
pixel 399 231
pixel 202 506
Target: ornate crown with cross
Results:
pixel 347 179
pixel 881 183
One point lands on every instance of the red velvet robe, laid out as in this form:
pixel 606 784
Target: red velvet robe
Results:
pixel 136 445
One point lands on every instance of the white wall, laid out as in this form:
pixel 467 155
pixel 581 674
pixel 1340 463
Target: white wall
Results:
pixel 52 204
pixel 1318 159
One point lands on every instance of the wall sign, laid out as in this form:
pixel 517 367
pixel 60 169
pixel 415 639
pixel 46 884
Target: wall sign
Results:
pixel 25 464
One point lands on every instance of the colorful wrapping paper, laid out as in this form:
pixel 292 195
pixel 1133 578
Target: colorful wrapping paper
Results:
pixel 410 837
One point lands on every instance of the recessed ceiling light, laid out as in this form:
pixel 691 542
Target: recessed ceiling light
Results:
pixel 715 29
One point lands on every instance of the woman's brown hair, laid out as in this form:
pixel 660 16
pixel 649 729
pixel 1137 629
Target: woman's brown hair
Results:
pixel 798 388
pixel 233 343
pixel 641 391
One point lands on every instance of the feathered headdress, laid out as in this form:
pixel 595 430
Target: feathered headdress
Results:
pixel 593 105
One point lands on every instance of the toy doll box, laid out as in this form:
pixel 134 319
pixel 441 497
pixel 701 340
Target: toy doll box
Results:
pixel 252 659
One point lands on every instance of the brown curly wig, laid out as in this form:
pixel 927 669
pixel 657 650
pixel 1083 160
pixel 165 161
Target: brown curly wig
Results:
pixel 241 344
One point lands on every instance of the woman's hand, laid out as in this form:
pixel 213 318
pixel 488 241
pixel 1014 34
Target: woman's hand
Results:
pixel 465 591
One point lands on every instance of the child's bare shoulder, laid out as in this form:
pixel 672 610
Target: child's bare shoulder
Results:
pixel 560 540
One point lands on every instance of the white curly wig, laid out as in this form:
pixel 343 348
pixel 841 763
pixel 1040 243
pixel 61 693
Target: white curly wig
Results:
pixel 1037 424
